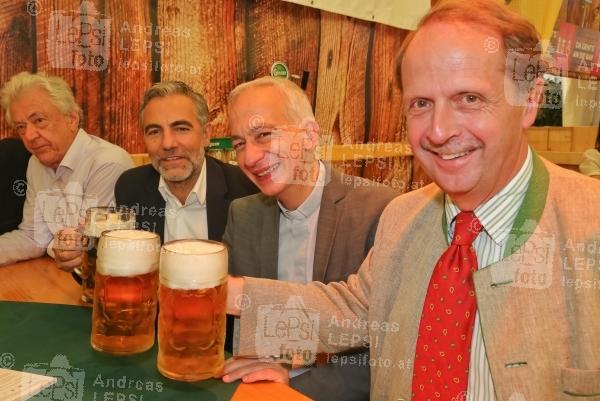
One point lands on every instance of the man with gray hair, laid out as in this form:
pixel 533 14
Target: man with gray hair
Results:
pixel 69 170
pixel 309 222
pixel 183 193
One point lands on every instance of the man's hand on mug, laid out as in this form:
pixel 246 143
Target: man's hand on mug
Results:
pixel 252 370
pixel 235 292
pixel 68 248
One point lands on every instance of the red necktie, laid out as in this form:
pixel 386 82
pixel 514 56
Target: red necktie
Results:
pixel 442 355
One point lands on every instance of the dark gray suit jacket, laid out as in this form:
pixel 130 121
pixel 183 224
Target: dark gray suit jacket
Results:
pixel 348 217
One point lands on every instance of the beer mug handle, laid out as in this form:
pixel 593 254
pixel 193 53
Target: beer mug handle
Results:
pixel 85 242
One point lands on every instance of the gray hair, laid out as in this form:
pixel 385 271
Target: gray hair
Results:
pixel 169 88
pixel 58 89
pixel 298 102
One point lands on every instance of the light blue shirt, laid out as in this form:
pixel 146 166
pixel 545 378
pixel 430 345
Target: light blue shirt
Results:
pixel 298 236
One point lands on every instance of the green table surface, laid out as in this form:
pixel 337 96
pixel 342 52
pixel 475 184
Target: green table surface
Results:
pixel 55 340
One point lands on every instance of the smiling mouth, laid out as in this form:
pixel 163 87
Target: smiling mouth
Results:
pixel 171 158
pixel 268 171
pixel 452 156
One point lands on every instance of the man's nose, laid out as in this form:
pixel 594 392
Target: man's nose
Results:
pixel 30 133
pixel 169 140
pixel 253 153
pixel 444 124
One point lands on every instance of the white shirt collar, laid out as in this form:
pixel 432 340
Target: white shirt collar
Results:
pixel 311 204
pixel 506 202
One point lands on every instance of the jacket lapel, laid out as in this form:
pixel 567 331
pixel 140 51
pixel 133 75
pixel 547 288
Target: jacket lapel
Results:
pixel 409 268
pixel 268 234
pixel 329 215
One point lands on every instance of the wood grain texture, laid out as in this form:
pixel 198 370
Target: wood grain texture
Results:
pixel 38 280
pixel 16 46
pixel 67 40
pixel 129 72
pixel 206 52
pixel 559 139
pixel 583 138
pixel 281 31
pixel 340 103
pixel 385 109
pixel 213 45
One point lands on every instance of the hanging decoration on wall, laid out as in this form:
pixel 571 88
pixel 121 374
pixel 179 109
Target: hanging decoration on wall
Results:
pixel 403 14
pixel 279 69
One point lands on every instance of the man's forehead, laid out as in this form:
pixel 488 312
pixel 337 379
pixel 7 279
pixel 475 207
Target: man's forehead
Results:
pixel 441 45
pixel 170 108
pixel 30 103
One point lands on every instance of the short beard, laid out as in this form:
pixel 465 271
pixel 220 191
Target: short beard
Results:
pixel 191 168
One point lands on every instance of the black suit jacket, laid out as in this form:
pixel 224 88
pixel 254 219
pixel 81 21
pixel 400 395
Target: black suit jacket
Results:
pixel 137 188
pixel 14 159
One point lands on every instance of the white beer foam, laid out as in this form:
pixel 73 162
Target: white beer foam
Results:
pixel 124 253
pixel 193 264
pixel 96 226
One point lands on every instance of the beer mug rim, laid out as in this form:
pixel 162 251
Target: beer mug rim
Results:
pixel 168 244
pixel 143 251
pixel 113 233
pixel 179 270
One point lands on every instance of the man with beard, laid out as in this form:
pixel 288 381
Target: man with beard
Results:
pixel 183 193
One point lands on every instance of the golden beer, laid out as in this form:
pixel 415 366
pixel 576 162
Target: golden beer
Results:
pixel 125 296
pixel 98 220
pixel 191 321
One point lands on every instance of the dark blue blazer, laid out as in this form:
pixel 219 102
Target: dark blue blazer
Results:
pixel 137 188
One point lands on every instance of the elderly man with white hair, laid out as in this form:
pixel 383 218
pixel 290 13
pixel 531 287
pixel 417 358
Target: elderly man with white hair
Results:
pixel 69 170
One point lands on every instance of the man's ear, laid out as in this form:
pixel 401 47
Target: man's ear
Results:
pixel 311 134
pixel 73 120
pixel 532 102
pixel 206 131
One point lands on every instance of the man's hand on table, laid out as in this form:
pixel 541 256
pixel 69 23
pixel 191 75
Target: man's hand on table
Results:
pixel 247 369
pixel 253 370
pixel 68 249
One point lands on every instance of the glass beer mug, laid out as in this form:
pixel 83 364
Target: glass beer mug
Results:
pixel 191 320
pixel 125 297
pixel 98 220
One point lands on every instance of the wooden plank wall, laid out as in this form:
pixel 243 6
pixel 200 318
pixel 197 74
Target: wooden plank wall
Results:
pixel 16 44
pixel 111 51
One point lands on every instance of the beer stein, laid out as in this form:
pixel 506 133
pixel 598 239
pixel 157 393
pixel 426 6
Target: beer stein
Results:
pixel 97 220
pixel 191 320
pixel 125 296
